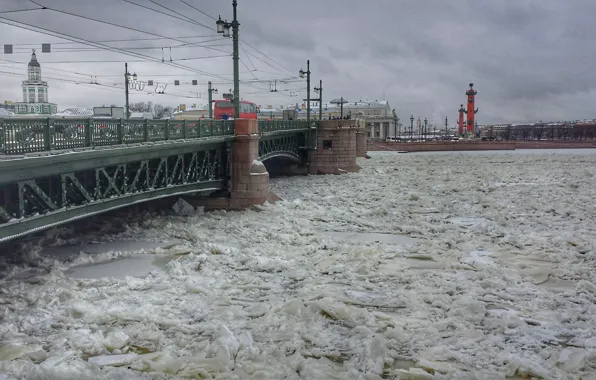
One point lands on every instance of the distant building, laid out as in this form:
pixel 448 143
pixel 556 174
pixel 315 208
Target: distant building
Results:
pixel 115 112
pixel 8 106
pixel 35 92
pixel 377 114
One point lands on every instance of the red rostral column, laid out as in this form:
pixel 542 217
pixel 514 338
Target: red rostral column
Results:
pixel 460 123
pixel 471 112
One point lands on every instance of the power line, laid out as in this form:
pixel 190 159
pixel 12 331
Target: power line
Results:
pixel 21 10
pixel 198 10
pixel 125 40
pixel 107 47
pixel 100 21
pixel 180 14
pixel 110 48
pixel 181 46
pixel 265 55
pixel 130 60
pixel 165 14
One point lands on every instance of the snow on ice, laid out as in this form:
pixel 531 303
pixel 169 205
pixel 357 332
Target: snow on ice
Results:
pixel 421 266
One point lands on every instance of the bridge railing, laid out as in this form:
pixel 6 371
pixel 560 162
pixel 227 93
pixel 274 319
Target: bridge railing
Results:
pixel 269 126
pixel 19 136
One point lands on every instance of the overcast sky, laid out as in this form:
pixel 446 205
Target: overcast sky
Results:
pixel 529 60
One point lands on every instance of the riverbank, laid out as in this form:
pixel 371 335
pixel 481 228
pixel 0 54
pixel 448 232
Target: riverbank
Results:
pixel 438 146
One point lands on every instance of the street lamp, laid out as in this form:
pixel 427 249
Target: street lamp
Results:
pixel 425 129
pixel 302 74
pixel 319 90
pixel 411 127
pixel 210 92
pixel 223 27
pixel 126 79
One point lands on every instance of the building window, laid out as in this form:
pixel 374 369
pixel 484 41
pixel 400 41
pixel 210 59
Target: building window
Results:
pixel 25 95
pixel 40 96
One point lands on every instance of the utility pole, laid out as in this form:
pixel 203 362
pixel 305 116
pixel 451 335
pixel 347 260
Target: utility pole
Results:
pixel 126 75
pixel 224 27
pixel 320 91
pixel 302 73
pixel 235 27
pixel 210 92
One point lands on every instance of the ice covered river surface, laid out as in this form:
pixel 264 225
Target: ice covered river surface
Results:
pixel 421 266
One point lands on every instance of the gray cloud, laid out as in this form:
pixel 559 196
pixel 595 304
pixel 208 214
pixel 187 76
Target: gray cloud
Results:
pixel 529 59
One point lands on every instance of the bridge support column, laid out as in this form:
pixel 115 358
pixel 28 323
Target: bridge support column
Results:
pixel 336 147
pixel 362 141
pixel 249 184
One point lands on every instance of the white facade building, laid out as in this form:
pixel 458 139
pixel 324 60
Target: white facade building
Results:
pixel 35 92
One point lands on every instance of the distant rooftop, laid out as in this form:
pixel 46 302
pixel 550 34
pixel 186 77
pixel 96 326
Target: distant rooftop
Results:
pixel 75 112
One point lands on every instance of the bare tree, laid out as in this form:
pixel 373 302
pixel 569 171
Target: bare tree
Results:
pixel 141 107
pixel 160 111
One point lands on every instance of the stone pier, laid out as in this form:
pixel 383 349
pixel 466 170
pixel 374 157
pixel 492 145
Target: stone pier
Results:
pixel 249 179
pixel 336 149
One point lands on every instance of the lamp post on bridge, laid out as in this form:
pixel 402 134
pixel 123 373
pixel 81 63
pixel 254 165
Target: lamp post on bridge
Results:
pixel 319 90
pixel 224 28
pixel 425 129
pixel 128 84
pixel 210 92
pixel 411 127
pixel 302 74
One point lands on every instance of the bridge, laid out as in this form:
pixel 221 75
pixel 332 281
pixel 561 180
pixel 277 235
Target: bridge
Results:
pixel 55 171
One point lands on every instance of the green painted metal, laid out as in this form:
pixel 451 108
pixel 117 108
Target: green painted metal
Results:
pixel 286 146
pixel 271 126
pixel 19 136
pixel 28 204
pixel 111 163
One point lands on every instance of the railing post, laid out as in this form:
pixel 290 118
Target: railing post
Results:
pixel 88 133
pixel 47 144
pixel 184 127
pixel 145 130
pixel 167 132
pixel 119 132
pixel 199 128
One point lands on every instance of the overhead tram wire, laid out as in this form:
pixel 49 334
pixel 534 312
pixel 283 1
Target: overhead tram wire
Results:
pixel 179 14
pixel 129 60
pixel 103 22
pixel 123 40
pixel 21 10
pixel 107 47
pixel 115 86
pixel 187 19
pixel 78 49
pixel 265 55
pixel 198 10
pixel 122 51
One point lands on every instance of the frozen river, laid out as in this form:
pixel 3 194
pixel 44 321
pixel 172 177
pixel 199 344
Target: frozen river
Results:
pixel 422 266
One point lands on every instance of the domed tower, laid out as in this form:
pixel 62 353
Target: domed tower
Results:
pixel 35 91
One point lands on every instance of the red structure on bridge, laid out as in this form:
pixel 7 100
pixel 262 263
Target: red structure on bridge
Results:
pixel 471 93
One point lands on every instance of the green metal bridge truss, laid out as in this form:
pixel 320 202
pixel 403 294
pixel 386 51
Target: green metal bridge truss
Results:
pixel 284 139
pixel 53 171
